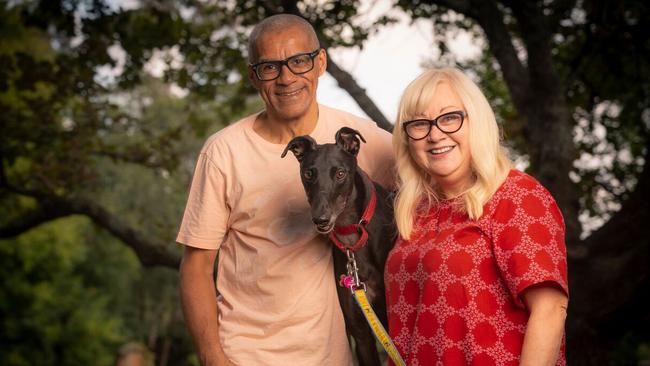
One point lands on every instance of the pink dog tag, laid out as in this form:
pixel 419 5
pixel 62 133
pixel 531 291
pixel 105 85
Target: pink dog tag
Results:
pixel 346 281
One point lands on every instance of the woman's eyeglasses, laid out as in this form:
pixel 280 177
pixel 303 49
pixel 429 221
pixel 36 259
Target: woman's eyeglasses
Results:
pixel 450 122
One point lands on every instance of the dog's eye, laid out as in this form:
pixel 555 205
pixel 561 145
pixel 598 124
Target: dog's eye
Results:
pixel 308 174
pixel 340 174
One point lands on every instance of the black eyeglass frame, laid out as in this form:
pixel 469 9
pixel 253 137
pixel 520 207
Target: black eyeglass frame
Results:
pixel 434 122
pixel 285 62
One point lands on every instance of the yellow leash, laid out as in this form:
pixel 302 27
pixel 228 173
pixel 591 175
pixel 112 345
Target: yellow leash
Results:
pixel 378 329
pixel 358 288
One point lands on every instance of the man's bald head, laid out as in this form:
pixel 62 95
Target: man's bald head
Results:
pixel 277 24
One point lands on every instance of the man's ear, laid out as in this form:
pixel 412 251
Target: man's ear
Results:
pixel 299 146
pixel 347 139
pixel 322 62
pixel 252 77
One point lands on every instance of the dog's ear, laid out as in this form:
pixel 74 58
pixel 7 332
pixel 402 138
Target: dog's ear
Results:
pixel 347 139
pixel 299 145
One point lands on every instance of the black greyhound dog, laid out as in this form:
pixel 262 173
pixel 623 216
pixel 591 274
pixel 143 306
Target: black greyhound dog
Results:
pixel 339 194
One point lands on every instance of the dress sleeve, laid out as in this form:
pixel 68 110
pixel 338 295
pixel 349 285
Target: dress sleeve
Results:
pixel 528 238
pixel 206 214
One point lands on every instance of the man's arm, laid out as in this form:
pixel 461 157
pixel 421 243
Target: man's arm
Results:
pixel 199 301
pixel 545 328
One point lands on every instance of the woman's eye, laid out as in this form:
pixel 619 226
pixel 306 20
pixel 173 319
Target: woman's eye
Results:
pixel 452 118
pixel 422 125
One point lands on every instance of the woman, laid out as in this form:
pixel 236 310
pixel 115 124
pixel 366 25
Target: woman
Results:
pixel 478 275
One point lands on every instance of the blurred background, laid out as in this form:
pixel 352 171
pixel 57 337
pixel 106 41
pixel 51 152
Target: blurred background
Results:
pixel 104 105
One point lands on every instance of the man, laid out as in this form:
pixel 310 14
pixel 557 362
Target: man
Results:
pixel 275 301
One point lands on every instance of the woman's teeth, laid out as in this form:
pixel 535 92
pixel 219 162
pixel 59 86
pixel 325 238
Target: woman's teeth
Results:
pixel 441 150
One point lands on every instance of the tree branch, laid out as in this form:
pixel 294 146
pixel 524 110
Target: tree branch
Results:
pixel 490 18
pixel 46 211
pixel 149 250
pixel 535 34
pixel 349 84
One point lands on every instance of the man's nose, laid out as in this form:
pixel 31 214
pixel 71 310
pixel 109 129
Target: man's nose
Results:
pixel 286 75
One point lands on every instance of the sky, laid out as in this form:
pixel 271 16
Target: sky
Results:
pixel 388 62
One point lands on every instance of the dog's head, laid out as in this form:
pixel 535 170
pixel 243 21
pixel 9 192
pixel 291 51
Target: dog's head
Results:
pixel 327 172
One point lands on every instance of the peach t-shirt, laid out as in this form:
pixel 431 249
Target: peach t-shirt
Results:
pixel 277 297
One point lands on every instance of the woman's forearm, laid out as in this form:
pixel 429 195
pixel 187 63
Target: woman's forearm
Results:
pixel 545 328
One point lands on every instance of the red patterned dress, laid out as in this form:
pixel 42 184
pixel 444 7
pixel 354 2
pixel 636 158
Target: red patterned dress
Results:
pixel 454 289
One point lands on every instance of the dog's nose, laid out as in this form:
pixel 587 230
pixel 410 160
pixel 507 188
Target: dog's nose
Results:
pixel 320 221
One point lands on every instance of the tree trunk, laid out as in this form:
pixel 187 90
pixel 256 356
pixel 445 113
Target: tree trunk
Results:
pixel 608 272
pixel 611 281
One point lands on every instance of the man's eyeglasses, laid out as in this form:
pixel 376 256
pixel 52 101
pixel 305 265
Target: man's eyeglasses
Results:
pixel 298 64
pixel 450 122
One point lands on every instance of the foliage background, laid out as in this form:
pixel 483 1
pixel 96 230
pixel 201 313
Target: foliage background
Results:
pixel 97 153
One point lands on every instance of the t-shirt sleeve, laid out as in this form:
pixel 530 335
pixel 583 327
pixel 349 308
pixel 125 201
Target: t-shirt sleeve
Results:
pixel 528 236
pixel 205 220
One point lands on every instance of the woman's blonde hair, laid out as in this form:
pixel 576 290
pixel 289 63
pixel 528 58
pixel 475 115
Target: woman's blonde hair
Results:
pixel 489 161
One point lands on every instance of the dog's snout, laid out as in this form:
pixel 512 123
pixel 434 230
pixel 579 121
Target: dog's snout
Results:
pixel 321 220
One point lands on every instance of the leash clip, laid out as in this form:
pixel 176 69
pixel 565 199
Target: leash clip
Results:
pixel 352 281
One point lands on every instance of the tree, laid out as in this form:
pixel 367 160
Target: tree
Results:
pixel 51 315
pixel 555 70
pixel 553 57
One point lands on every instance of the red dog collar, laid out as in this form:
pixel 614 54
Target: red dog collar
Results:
pixel 368 213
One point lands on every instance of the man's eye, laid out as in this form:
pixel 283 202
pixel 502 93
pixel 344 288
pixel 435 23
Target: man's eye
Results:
pixel 268 67
pixel 298 60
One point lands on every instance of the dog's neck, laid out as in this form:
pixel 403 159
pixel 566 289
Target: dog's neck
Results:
pixel 357 202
